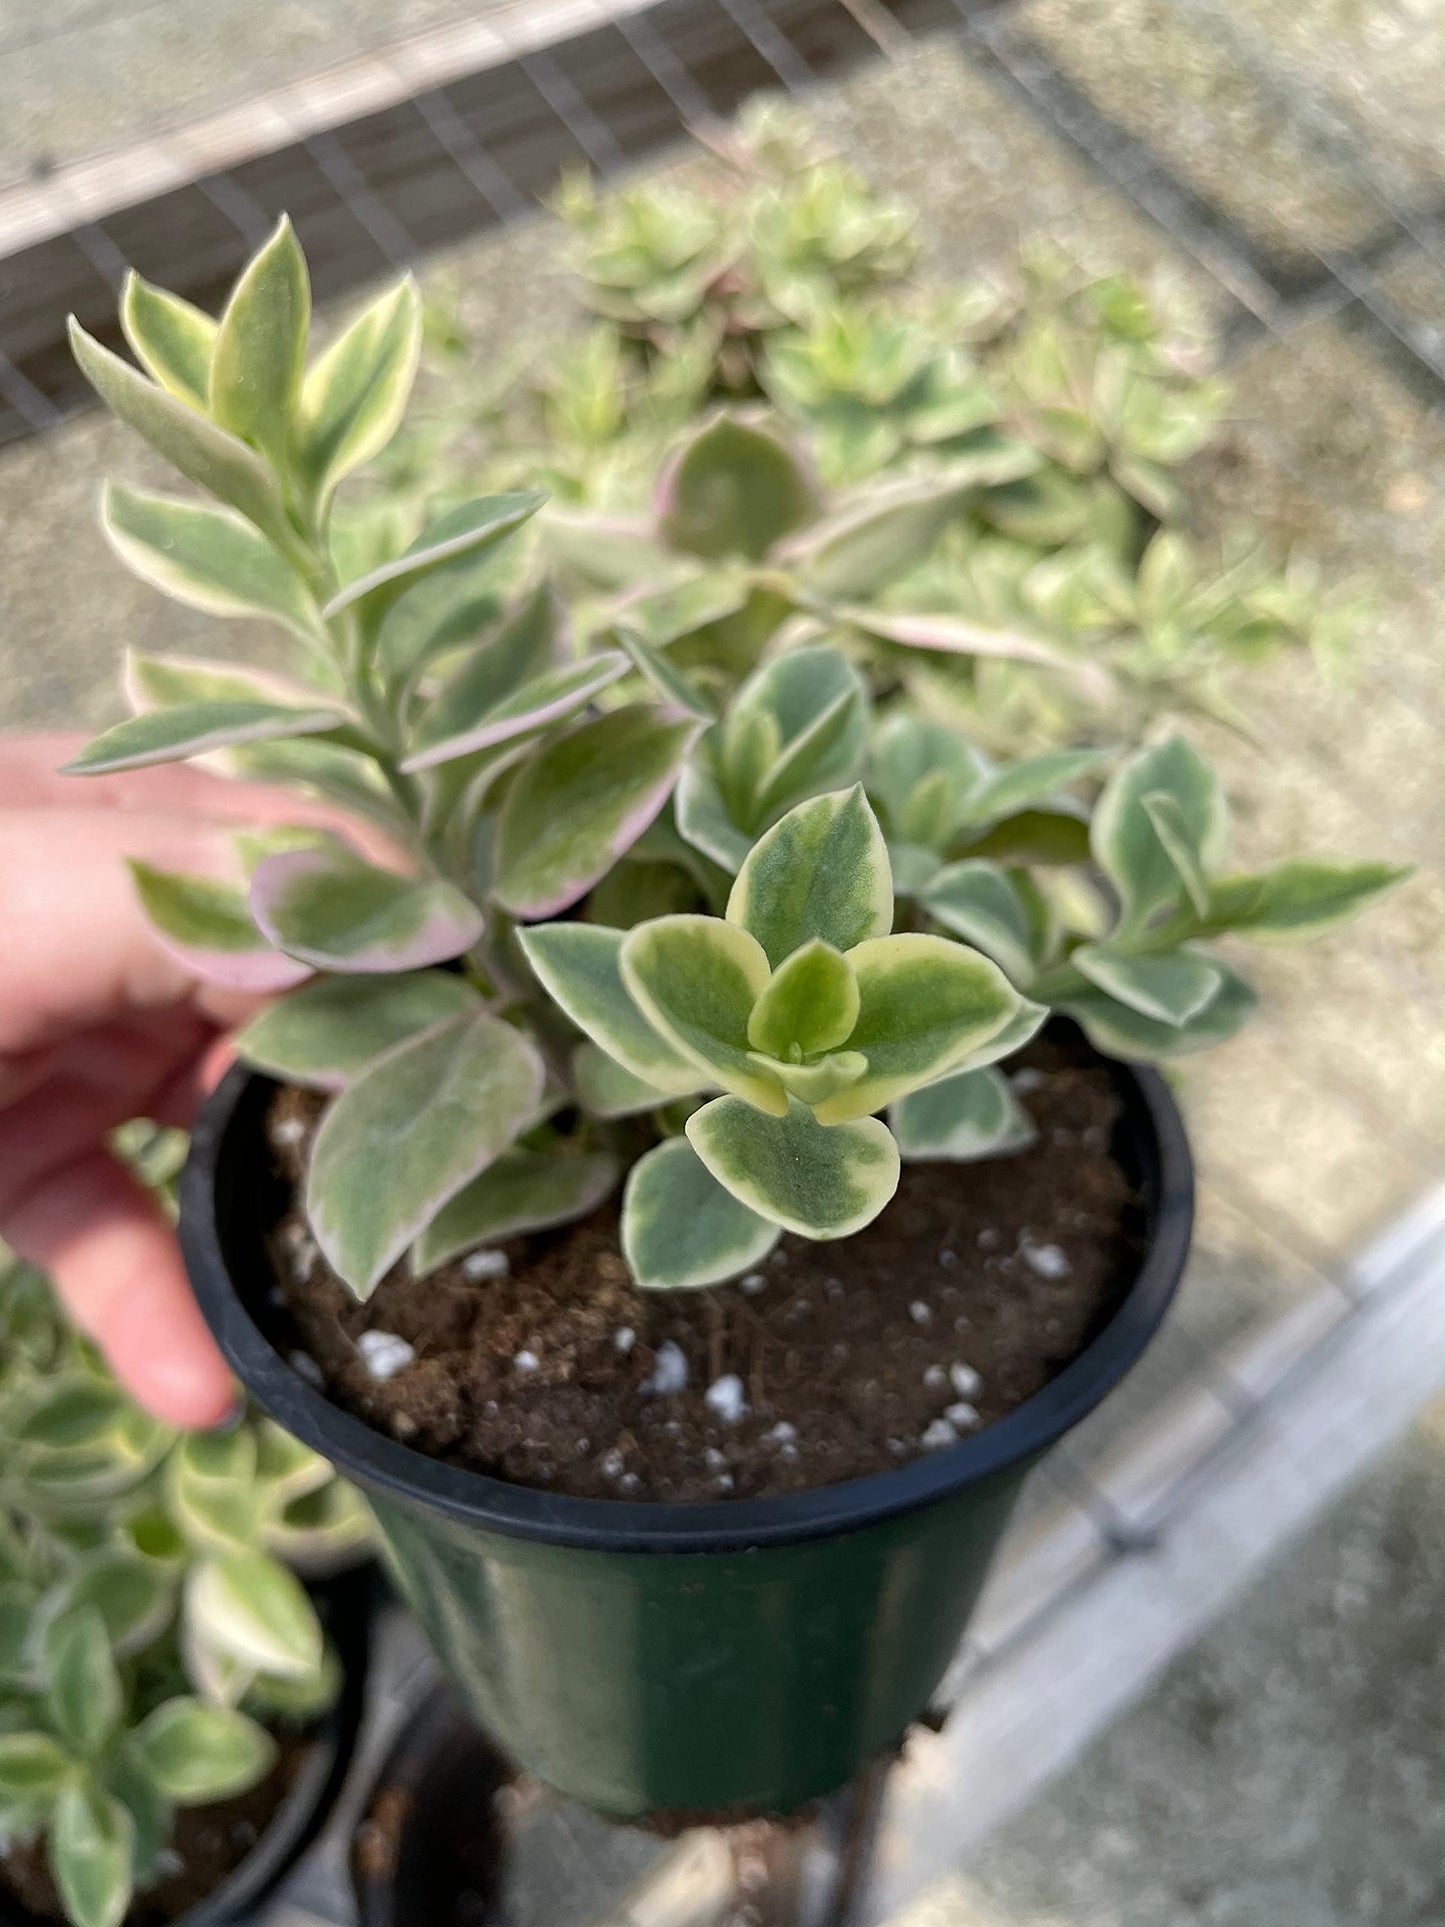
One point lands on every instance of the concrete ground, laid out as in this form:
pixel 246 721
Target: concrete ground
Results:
pixel 1288 1772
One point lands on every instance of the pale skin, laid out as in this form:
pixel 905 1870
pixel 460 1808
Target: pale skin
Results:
pixel 99 1025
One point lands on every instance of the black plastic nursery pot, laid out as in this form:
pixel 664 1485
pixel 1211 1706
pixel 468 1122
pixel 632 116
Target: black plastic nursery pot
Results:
pixel 304 1808
pixel 744 1655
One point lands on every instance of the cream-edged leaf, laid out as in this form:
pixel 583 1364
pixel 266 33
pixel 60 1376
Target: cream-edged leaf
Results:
pixel 1123 833
pixel 978 902
pixel 171 339
pixel 734 490
pixel 821 871
pixel 462 533
pixel 1119 1031
pixel 431 1114
pixel 1170 988
pixel 208 558
pixel 1299 900
pixel 809 1004
pixel 608 1089
pixel 325 1032
pixel 820 1182
pixel 681 1229
pixel 335 911
pixel 522 1191
pixel 354 395
pixel 260 346
pixel 92 1854
pixel 196 1752
pixel 581 802
pixel 206 925
pixel 579 965
pixel 696 979
pixel 194 729
pixel 960 1119
pixel 445 733
pixel 925 1006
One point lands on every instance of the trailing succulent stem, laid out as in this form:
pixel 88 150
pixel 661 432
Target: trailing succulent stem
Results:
pixel 677 857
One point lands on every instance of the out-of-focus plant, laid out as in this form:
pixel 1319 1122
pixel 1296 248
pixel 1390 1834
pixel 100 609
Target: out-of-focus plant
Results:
pixel 152 1626
pixel 663 791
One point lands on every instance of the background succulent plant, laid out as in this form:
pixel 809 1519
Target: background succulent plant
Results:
pixel 662 787
pixel 152 1626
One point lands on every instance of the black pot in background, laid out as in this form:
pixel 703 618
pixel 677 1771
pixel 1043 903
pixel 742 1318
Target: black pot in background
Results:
pixel 346 1606
pixel 644 1658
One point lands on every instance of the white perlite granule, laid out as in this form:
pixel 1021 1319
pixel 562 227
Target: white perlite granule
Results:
pixel 964 1380
pixel 726 1397
pixel 939 1434
pixel 783 1433
pixel 623 1339
pixel 305 1366
pixel 384 1354
pixel 753 1283
pixel 1049 1261
pixel 920 1313
pixel 611 1464
pixel 669 1370
pixel 486 1264
pixel 526 1362
pixel 288 1131
pixel 1026 1080
pixel 935 1378
pixel 963 1416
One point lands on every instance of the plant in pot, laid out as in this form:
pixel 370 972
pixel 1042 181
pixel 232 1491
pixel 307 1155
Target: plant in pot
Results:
pixel 169 1724
pixel 694 1183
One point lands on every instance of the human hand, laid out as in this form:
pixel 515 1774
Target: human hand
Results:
pixel 99 1025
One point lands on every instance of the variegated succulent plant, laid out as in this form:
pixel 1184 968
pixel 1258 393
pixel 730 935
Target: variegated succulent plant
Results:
pixel 686 886
pixel 1055 414
pixel 151 1620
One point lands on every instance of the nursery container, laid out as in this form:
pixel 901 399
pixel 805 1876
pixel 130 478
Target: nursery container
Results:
pixel 707 1658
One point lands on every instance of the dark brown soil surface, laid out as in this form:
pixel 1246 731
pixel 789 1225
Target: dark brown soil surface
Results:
pixel 207 1844
pixel 974 1287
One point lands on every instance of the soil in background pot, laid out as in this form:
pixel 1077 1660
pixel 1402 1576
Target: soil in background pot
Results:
pixel 207 1844
pixel 542 1364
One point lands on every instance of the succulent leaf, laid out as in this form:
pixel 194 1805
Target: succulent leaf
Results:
pixel 92 1847
pixel 522 1191
pixel 978 901
pixel 196 1753
pixel 260 346
pixel 696 979
pixel 973 1114
pixel 1118 1030
pixel 579 965
pixel 207 926
pixel 1171 988
pixel 818 1181
pixel 325 1032
pixel 547 698
pixel 734 490
pixel 332 910
pixel 255 1611
pixel 681 1228
pixel 808 1005
pixel 1125 841
pixel 83 1689
pixel 353 396
pixel 821 872
pixel 433 1112
pixel 172 340
pixel 192 729
pixel 458 536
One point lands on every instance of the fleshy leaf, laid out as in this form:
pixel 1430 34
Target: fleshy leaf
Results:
pixel 909 752
pixel 165 682
pixel 354 395
pixel 253 1609
pixel 867 548
pixel 83 1690
pixel 703 820
pixel 549 698
pixel 955 636
pixel 1181 844
pixel 1298 900
pixel 925 1005
pixel 461 533
pixel 1123 836
pixel 734 490
pixel 810 1003
pixel 522 1191
pixel 336 912
pixel 432 1114
pixel 669 683
pixel 204 453
pixel 1118 1031
pixel 192 729
pixel 681 1229
pixel 819 1182
pixel 196 1753
pixel 978 902
pixel 822 871
pixel 581 802
pixel 327 1031
pixel 959 1119
pixel 1171 988
pixel 260 346
pixel 579 965
pixel 92 1843
pixel 520 647
pixel 207 926
pixel 1032 780
pixel 696 979
pixel 207 558
pixel 32 1769
pixel 170 339
pixel 608 1089
pixel 819 1079
pixel 797 726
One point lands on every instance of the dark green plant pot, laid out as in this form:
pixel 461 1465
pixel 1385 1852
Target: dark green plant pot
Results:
pixel 646 1658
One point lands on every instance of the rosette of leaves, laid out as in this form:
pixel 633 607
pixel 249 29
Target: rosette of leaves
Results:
pixel 152 1628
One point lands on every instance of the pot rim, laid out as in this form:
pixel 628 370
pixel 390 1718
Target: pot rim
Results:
pixel 477 1500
